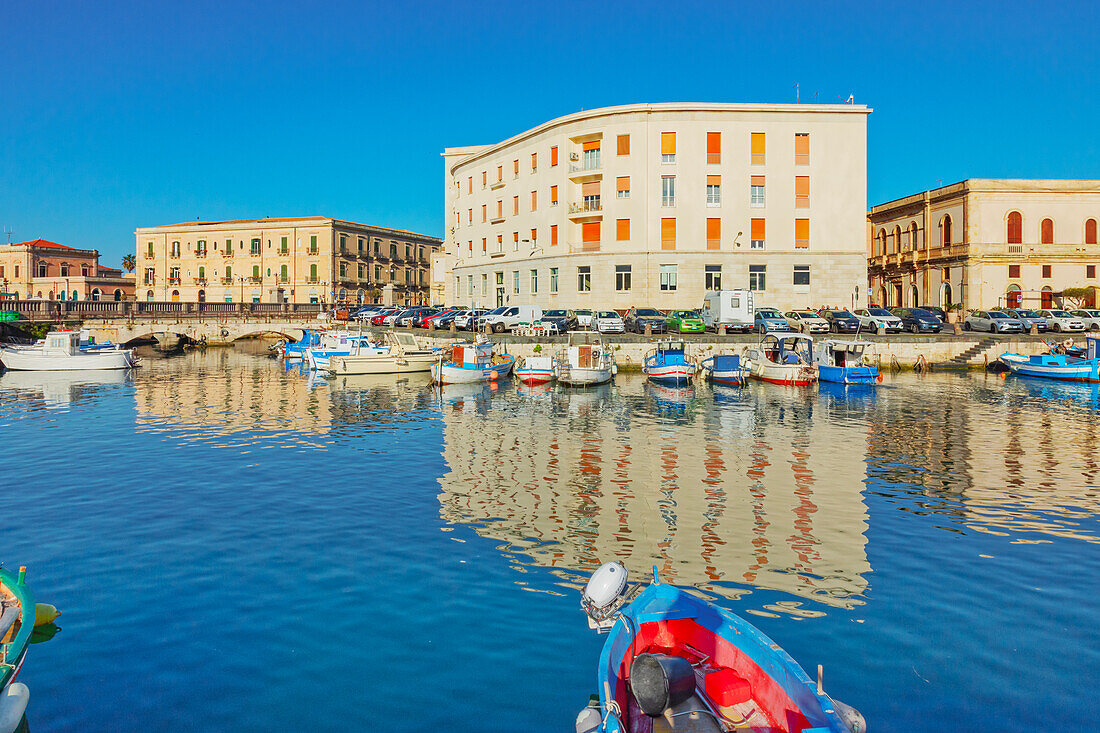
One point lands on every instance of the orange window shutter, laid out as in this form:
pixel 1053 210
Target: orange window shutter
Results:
pixel 622 183
pixel 757 229
pixel 756 180
pixel 500 173
pixel 534 234
pixel 668 143
pixel 484 244
pixel 714 180
pixel 801 232
pixel 484 177
pixel 590 231
pixel 470 187
pixel 515 236
pixel 592 188
pixel 622 229
pixel 801 185
pixel 802 145
pixel 554 155
pixel 757 148
pixel 534 200
pixel 484 212
pixel 668 229
pixel 714 147
pixel 500 207
pixel 515 166
pixel 592 145
pixel 714 228
pixel 534 160
pixel 515 205
pixel 553 194
pixel 553 234
pixel 622 143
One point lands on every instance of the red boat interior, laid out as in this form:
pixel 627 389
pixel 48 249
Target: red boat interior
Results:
pixel 741 693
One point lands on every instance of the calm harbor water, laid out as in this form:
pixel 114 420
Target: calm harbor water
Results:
pixel 236 546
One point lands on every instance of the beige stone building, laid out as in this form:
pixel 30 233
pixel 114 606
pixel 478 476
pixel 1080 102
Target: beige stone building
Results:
pixel 985 243
pixel 52 271
pixel 291 260
pixel 653 204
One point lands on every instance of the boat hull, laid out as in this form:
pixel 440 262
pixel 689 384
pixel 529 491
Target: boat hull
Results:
pixel 382 364
pixel 1087 370
pixel 33 360
pixel 443 373
pixel 848 375
pixel 584 377
pixel 534 376
pixel 798 375
pixel 671 374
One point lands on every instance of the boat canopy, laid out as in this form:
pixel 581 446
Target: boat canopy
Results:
pixel 725 362
pixel 670 345
pixel 854 347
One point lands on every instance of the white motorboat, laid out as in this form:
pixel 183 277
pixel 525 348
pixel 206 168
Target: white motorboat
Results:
pixel 585 361
pixel 468 363
pixel 783 358
pixel 341 343
pixel 401 354
pixel 535 369
pixel 61 352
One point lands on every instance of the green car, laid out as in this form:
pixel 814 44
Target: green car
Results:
pixel 685 322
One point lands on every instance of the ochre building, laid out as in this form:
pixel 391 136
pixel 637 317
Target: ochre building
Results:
pixel 654 204
pixel 290 260
pixel 52 271
pixel 984 243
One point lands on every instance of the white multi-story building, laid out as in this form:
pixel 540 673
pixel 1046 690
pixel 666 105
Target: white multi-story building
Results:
pixel 653 204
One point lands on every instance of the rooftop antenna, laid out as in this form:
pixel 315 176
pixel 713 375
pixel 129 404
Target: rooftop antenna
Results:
pixel 796 92
pixel 8 232
pixel 817 97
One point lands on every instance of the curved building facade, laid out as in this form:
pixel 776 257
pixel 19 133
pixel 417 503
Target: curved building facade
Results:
pixel 654 204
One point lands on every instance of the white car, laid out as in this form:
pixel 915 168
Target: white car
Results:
pixel 871 319
pixel 1060 320
pixel 608 322
pixel 464 321
pixel 584 318
pixel 1089 316
pixel 806 322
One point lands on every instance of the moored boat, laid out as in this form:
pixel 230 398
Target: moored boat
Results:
pixel 672 661
pixel 17 617
pixel 842 362
pixel 668 364
pixel 535 369
pixel 468 363
pixel 61 351
pixel 296 349
pixel 724 369
pixel 585 361
pixel 399 353
pixel 785 358
pixel 340 344
pixel 1058 364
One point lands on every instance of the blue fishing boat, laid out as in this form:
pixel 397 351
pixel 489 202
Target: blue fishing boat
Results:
pixel 668 364
pixel 296 349
pixel 842 362
pixel 1058 364
pixel 472 363
pixel 724 369
pixel 17 621
pixel 674 662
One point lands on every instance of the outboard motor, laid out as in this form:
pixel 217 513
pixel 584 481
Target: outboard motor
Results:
pixel 604 594
pixel 660 681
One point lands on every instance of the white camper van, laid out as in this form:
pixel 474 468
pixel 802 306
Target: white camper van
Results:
pixel 730 308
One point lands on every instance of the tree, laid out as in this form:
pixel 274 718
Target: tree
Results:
pixel 129 262
pixel 1077 296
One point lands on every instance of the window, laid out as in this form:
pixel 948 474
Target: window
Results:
pixel 1046 231
pixel 584 279
pixel 668 234
pixel 343 243
pixel 534 162
pixel 590 236
pixel 553 234
pixel 470 285
pixel 469 216
pixel 553 156
pixel 714 190
pixel 714 233
pixel 553 195
pixel 343 269
pixel 360 244
pixel 200 247
pixel 42 269
pixel 668 191
pixel 484 178
pixel 622 230
pixel 515 282
pixel 500 208
pixel 150 250
pixel 801 275
pixel 359 270
pixel 668 278
pixel 313 244
pixel 1046 270
pixel 756 191
pixel 1090 271
pixel 534 237
pixel 1090 231
pixel 802 193
pixel 284 247
pixel 313 273
pixel 668 147
pixel 913 242
pixel 590 196
pixel 622 187
pixel 757 277
pixel 756 146
pixel 500 243
pixel 515 241
pixel 534 200
pixel 712 277
pixel 378 273
pixel 484 285
pixel 945 231
pixel 470 184
pixel 714 148
pixel 591 155
pixel 515 206
pixel 622 278
pixel 500 173
pixel 802 148
pixel 484 244
pixel 64 269
pixel 756 234
pixel 553 279
pixel 801 233
pixel 534 281
pixel 175 249
pixel 484 213
pixel 284 276
pixel 1013 271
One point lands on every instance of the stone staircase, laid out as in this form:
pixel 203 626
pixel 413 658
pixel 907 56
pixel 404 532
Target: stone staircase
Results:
pixel 962 361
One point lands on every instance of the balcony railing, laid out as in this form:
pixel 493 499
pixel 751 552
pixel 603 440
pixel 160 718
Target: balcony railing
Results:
pixel 227 281
pixel 255 253
pixel 497 184
pixel 200 281
pixel 200 253
pixel 227 253
pixel 588 206
pixel 254 279
pixel 173 281
pixel 149 255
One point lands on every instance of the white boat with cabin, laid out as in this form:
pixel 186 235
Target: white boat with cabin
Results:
pixel 585 361
pixel 468 363
pixel 61 351
pixel 402 354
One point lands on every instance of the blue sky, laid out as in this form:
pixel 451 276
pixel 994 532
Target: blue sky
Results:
pixel 127 114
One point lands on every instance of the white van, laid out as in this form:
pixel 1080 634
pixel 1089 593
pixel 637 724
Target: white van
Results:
pixel 730 308
pixel 507 317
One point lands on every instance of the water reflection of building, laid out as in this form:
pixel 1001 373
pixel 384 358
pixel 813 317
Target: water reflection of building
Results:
pixel 718 490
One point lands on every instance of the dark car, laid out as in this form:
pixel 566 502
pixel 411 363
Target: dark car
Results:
pixel 918 320
pixel 937 312
pixel 417 321
pixel 841 321
pixel 444 319
pixel 560 321
pixel 638 318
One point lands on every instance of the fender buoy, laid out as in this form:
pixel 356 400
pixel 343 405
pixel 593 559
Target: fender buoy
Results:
pixel 493 374
pixel 878 378
pixel 44 613
pixel 225 332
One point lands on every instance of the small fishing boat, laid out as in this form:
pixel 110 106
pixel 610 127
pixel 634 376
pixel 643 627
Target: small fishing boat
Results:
pixel 785 358
pixel 668 364
pixel 311 339
pixel 468 363
pixel 724 369
pixel 586 361
pixel 17 617
pixel 673 662
pixel 1058 364
pixel 535 369
pixel 340 344
pixel 842 362
pixel 399 353
pixel 61 352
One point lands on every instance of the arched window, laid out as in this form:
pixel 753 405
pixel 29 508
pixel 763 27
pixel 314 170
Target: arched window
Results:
pixel 945 295
pixel 1013 296
pixel 202 296
pixel 1090 231
pixel 914 296
pixel 1046 301
pixel 149 295
pixel 118 295
pixel 1046 231
pixel 175 296
pixel 1015 228
pixel 913 243
pixel 945 230
pixel 881 241
pixel 897 239
pixel 96 294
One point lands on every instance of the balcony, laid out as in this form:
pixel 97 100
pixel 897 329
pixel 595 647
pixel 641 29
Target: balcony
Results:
pixel 497 219
pixel 200 281
pixel 149 255
pixel 497 184
pixel 227 253
pixel 227 281
pixel 586 170
pixel 255 253
pixel 173 281
pixel 578 247
pixel 200 253
pixel 255 280
pixel 590 208
pixel 312 280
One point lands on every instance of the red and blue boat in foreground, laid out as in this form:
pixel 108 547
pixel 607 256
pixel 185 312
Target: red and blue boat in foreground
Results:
pixel 725 369
pixel 1062 363
pixel 673 662
pixel 668 364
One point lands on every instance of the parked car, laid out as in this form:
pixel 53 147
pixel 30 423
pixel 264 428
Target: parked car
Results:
pixel 937 312
pixel 1028 318
pixel 365 312
pixel 507 317
pixel 422 313
pixel 560 320
pixel 1089 316
pixel 1060 320
pixel 379 318
pixel 873 318
pixel 584 318
pixel 918 320
pixel 608 322
pixel 841 321
pixel 638 318
pixel 730 308
pixel 770 319
pixel 684 322
pixel 404 318
pixel 467 319
pixel 433 320
pixel 992 321
pixel 806 322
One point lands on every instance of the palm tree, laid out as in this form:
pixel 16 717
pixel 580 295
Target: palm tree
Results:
pixel 129 262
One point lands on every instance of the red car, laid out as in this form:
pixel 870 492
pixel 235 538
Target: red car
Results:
pixel 430 321
pixel 380 316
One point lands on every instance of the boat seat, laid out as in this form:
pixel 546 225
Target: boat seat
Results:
pixel 690 716
pixel 727 688
pixel 790 359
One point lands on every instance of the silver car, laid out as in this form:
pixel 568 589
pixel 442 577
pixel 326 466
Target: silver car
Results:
pixel 806 322
pixel 872 319
pixel 1028 318
pixel 1060 320
pixel 1090 317
pixel 608 322
pixel 992 321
